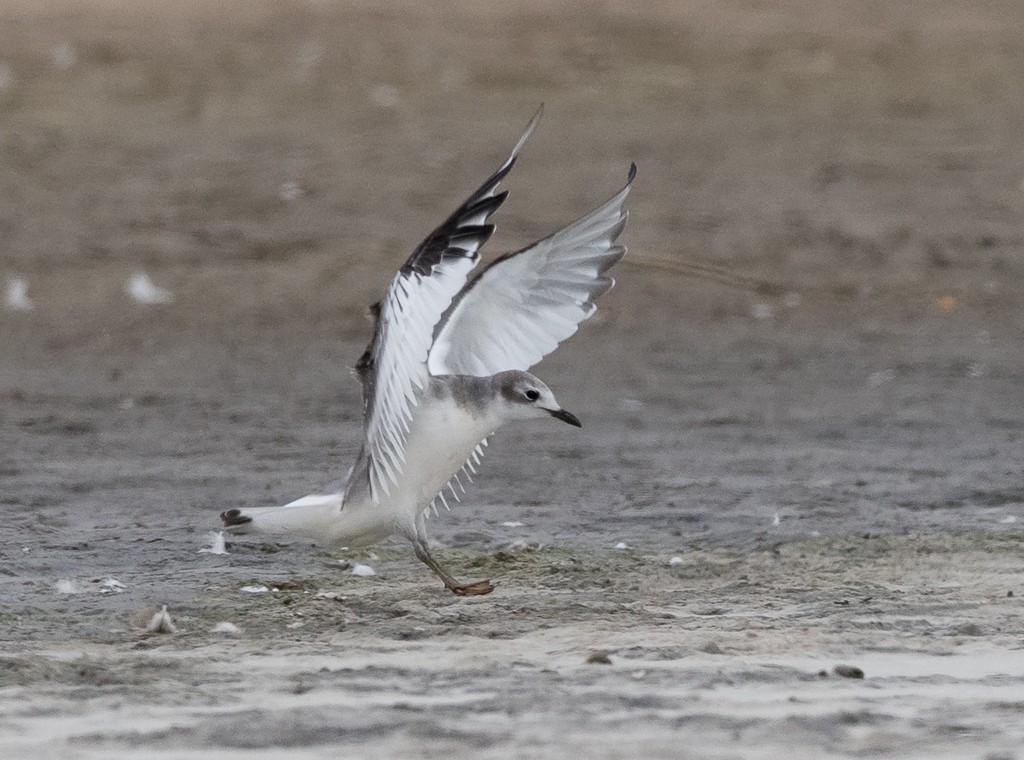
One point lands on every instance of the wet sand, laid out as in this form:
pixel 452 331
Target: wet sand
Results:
pixel 835 461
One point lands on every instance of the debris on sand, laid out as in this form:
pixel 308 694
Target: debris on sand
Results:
pixel 142 290
pixel 155 620
pixel 357 568
pixel 112 586
pixel 17 295
pixel 226 628
pixel 621 545
pixel 289 191
pixel 68 586
pixel 254 590
pixel 762 311
pixel 217 544
pixel 598 658
pixel 677 560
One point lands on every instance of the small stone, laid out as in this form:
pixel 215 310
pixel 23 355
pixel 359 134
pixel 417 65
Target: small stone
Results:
pixel 848 671
pixel 598 658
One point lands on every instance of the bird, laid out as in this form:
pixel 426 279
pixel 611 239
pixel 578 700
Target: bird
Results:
pixel 447 365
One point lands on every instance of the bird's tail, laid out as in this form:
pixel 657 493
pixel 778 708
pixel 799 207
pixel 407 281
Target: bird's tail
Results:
pixel 311 516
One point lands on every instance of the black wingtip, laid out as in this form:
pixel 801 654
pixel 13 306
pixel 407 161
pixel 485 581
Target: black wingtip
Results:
pixel 234 517
pixel 534 121
pixel 632 173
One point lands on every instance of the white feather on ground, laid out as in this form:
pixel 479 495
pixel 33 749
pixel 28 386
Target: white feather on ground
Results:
pixel 16 298
pixel 161 622
pixel 142 290
pixel 217 545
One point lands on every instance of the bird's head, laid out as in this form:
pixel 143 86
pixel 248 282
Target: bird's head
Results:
pixel 523 397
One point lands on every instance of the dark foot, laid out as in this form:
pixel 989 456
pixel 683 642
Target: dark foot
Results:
pixel 233 517
pixel 473 589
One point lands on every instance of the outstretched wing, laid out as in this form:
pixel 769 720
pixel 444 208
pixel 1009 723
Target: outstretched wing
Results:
pixel 393 368
pixel 523 305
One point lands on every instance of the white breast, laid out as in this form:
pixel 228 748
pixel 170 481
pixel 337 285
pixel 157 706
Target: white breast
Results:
pixel 442 437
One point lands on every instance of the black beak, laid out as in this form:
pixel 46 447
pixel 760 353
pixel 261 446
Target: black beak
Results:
pixel 564 416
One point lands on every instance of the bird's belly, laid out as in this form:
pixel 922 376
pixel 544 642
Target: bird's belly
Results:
pixel 441 440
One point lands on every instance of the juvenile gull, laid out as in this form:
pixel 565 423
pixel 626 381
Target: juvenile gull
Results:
pixel 446 367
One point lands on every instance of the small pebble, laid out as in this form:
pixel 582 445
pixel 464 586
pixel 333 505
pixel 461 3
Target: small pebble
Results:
pixel 848 671
pixel 598 658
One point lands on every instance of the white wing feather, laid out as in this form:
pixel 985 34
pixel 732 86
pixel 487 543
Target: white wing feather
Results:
pixel 521 307
pixel 411 309
pixel 419 295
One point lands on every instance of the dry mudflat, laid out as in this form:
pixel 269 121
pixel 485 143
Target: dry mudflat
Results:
pixel 791 525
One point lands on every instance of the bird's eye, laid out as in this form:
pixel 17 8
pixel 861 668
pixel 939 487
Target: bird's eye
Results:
pixel 532 395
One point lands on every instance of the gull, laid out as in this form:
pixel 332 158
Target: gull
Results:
pixel 446 366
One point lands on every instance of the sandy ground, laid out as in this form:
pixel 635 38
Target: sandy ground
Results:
pixel 835 462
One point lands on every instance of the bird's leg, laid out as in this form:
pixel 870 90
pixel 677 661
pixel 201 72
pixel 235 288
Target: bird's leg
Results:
pixel 472 589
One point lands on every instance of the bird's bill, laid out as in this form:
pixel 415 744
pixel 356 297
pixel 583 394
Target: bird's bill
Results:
pixel 564 416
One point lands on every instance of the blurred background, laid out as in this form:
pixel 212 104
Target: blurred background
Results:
pixel 261 168
pixel 276 160
pixel 198 201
